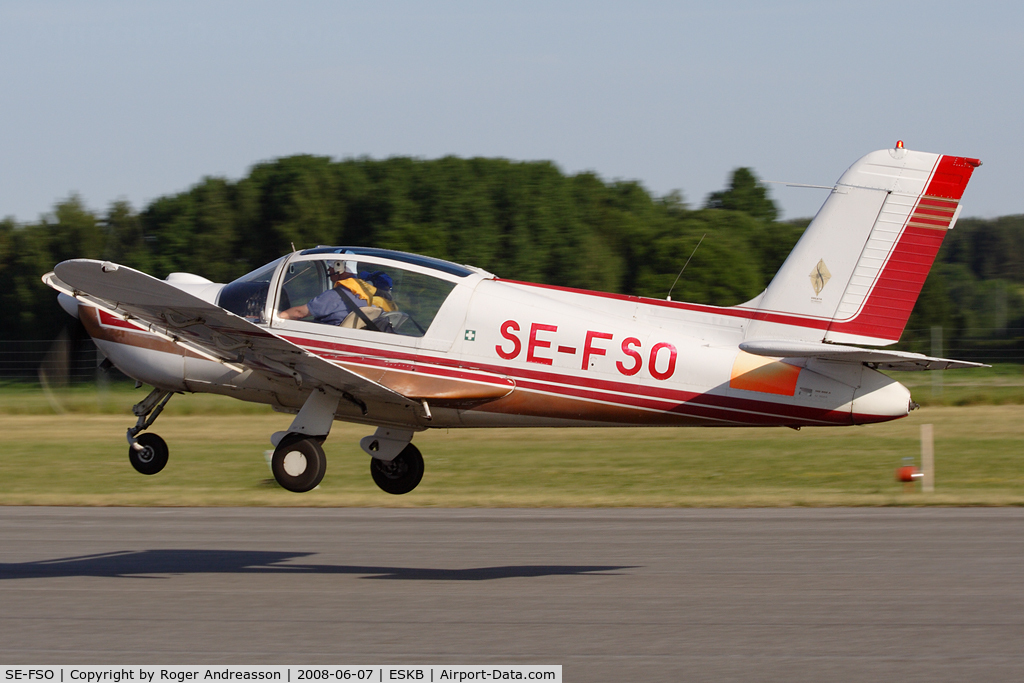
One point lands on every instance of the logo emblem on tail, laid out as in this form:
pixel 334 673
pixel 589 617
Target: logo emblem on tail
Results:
pixel 820 277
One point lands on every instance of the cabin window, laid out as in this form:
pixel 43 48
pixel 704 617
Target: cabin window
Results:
pixel 302 281
pixel 390 300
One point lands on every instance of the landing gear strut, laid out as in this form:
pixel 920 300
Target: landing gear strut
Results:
pixel 299 462
pixel 148 452
pixel 400 474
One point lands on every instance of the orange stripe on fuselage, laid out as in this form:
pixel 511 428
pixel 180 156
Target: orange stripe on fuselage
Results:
pixel 766 375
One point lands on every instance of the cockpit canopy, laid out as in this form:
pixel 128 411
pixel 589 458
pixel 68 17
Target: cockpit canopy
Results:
pixel 402 292
pixel 414 259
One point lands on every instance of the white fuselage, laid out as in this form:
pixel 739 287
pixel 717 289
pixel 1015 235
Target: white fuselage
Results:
pixel 505 353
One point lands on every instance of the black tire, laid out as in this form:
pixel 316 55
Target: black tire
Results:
pixel 152 457
pixel 299 463
pixel 400 475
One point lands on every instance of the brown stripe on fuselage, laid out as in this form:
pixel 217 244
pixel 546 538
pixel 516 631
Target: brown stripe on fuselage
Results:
pixel 419 386
pixel 687 414
pixel 90 317
pixel 528 403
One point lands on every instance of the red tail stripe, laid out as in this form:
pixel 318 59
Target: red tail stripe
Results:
pixel 891 300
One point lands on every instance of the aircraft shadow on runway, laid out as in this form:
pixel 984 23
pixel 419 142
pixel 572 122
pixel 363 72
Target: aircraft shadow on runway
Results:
pixel 159 563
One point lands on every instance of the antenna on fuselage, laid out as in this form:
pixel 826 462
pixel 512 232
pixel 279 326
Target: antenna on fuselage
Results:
pixel 669 297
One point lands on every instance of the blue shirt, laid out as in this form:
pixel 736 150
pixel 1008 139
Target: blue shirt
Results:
pixel 334 305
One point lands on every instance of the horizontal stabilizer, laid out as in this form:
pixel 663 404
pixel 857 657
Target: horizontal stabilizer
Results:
pixel 883 360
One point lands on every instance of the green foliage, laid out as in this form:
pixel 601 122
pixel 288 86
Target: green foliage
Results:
pixel 991 249
pixel 521 220
pixel 724 268
pixel 745 194
pixel 975 292
pixel 125 237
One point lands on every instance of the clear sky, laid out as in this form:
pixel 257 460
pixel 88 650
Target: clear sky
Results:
pixel 124 99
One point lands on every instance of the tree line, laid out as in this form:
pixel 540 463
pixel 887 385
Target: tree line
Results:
pixel 520 220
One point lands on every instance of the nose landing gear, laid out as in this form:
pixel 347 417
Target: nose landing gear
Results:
pixel 148 452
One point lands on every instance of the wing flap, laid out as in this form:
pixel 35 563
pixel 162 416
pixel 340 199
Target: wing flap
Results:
pixel 877 358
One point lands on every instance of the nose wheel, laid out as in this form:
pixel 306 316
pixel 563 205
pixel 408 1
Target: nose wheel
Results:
pixel 149 453
pixel 399 475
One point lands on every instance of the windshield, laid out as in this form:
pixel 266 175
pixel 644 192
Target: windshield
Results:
pixel 247 296
pixel 261 274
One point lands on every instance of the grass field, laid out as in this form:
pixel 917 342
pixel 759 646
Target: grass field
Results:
pixel 217 458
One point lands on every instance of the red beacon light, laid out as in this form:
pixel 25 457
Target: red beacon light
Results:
pixel 899 144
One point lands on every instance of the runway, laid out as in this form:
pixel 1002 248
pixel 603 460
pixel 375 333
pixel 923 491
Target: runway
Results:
pixel 610 594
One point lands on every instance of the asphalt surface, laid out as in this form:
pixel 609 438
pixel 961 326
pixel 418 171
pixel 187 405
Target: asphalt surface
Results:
pixel 611 595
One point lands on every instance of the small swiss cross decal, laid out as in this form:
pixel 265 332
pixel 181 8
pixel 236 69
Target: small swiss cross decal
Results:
pixel 470 335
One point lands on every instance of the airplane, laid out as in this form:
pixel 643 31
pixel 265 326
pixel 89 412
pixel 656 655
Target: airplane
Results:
pixel 413 342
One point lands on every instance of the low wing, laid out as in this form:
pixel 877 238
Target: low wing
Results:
pixel 877 358
pixel 204 328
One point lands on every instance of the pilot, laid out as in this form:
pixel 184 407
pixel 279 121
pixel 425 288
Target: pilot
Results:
pixel 334 305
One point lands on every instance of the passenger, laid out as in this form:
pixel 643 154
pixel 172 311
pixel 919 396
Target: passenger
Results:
pixel 334 305
pixel 379 287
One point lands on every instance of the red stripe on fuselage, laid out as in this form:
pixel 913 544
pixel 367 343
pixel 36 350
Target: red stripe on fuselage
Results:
pixel 111 320
pixel 627 394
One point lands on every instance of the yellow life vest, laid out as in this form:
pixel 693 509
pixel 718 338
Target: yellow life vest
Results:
pixel 365 290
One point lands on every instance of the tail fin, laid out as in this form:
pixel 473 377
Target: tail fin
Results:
pixel 859 267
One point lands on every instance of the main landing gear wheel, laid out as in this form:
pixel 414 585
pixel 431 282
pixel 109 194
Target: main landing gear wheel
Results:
pixel 400 475
pixel 299 463
pixel 152 457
